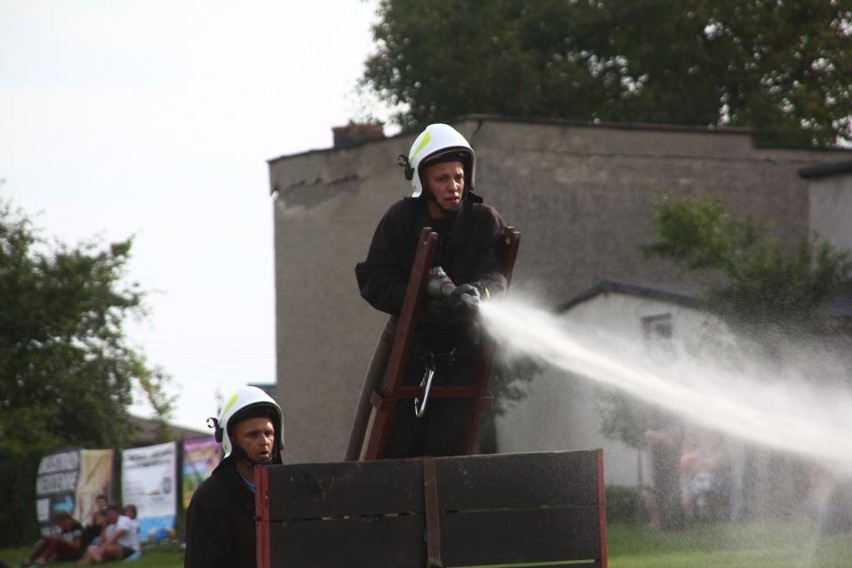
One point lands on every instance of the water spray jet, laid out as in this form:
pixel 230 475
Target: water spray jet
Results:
pixel 791 415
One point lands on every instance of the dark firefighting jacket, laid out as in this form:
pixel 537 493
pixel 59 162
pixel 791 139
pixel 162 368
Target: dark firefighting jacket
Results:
pixel 220 526
pixel 469 250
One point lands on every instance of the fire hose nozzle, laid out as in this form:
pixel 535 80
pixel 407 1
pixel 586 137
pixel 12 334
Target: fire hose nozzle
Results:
pixel 439 284
pixel 462 299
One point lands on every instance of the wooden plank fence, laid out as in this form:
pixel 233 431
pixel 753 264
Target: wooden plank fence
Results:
pixel 511 509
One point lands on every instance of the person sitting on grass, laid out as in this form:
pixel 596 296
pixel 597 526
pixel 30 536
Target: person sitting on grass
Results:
pixel 119 540
pixel 65 545
pixel 93 529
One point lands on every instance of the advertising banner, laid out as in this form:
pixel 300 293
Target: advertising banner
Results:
pixel 95 479
pixel 148 481
pixel 70 480
pixel 200 458
pixel 56 486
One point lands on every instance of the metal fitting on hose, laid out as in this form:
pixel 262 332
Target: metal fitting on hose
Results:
pixel 439 284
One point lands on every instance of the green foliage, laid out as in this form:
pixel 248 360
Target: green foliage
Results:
pixel 18 469
pixel 67 373
pixel 623 505
pixel 780 67
pixel 509 380
pixel 699 234
pixel 763 283
pixel 772 294
pixel 623 417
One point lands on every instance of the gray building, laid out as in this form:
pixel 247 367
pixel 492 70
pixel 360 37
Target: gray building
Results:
pixel 830 202
pixel 580 194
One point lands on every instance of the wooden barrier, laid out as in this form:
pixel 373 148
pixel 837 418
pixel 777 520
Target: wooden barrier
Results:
pixel 511 510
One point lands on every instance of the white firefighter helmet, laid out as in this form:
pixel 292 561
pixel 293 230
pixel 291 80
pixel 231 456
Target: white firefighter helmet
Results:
pixel 249 402
pixel 438 143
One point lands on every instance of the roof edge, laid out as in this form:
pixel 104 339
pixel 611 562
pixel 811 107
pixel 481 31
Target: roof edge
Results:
pixel 825 170
pixel 641 290
pixel 646 126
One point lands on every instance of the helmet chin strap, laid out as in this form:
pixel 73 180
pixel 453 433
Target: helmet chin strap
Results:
pixel 267 461
pixel 239 454
pixel 454 210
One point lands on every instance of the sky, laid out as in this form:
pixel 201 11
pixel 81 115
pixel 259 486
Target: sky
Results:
pixel 154 119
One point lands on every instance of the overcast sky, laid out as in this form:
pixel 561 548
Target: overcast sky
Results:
pixel 154 119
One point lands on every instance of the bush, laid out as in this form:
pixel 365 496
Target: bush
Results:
pixel 18 523
pixel 623 505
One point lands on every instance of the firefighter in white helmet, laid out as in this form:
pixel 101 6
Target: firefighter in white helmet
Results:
pixel 468 268
pixel 220 525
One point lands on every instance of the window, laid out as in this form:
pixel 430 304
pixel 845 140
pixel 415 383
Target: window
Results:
pixel 657 327
pixel 657 332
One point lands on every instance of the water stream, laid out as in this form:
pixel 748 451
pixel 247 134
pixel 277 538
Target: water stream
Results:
pixel 767 403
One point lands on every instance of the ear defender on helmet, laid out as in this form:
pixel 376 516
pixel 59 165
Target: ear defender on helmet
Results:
pixel 438 142
pixel 213 424
pixel 402 160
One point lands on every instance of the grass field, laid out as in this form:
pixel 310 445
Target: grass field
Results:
pixel 776 545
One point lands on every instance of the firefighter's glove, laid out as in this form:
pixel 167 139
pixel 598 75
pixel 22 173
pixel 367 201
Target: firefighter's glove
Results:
pixel 465 299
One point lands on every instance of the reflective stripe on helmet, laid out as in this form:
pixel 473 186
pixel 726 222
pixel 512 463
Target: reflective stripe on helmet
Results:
pixel 427 137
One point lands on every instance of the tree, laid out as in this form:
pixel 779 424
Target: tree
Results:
pixel 774 296
pixel 763 290
pixel 67 372
pixel 778 297
pixel 763 284
pixel 781 67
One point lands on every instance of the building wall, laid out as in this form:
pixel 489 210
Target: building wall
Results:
pixel 830 205
pixel 326 208
pixel 580 195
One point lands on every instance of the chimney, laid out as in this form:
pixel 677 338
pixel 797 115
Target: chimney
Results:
pixel 355 133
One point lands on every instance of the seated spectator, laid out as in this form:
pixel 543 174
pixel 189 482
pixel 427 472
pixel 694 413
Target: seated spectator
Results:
pixel 92 530
pixel 131 513
pixel 120 539
pixel 66 544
